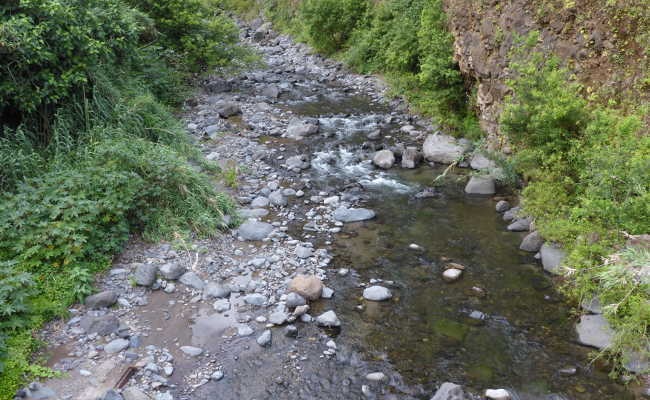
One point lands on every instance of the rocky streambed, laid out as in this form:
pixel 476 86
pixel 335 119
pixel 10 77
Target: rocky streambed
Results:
pixel 352 276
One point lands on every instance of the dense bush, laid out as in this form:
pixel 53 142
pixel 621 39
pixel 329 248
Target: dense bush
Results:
pixel 329 23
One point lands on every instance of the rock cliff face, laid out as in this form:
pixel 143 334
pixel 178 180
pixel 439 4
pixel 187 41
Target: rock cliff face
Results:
pixel 602 42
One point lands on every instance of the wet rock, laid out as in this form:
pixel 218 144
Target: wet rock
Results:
pixel 328 319
pixel 217 375
pixel 133 393
pixel 502 206
pixel 497 394
pixel 291 331
pixel 449 391
pixel 278 317
pixel 532 242
pixel 172 271
pixel 344 214
pixel 384 159
pixel 227 109
pixel 327 293
pixel 192 280
pixel 377 293
pixel 592 305
pixel 303 252
pixel 255 299
pixel 452 274
pixel 103 325
pixel 254 230
pixel 376 376
pixel 411 157
pixel 278 199
pixel 594 331
pixel 442 149
pixel 116 346
pixel 552 257
pixel 101 300
pixel 192 351
pixel 511 214
pixel 300 128
pixel 481 185
pixel 301 310
pixel 294 300
pixel 569 371
pixel 520 225
pixel 635 361
pixel 265 338
pixel 308 286
pixel 260 202
pixel 145 274
pixel 215 290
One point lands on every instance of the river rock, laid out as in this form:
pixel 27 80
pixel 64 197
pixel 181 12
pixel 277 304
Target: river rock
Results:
pixel 411 157
pixel 278 317
pixel 636 362
pixel 298 162
pixel 377 293
pixel 145 274
pixel 303 252
pixel 265 338
pixel 227 109
pixel 103 325
pixel 480 162
pixel 481 185
pixel 497 394
pixel 116 346
pixel 254 230
pixel 376 376
pixel 384 159
pixel 442 149
pixel 308 286
pixel 294 300
pixel 344 214
pixel 172 271
pixel 215 290
pixel 449 391
pixel 452 274
pixel 278 199
pixel 291 331
pixel 328 319
pixel 271 91
pixel 133 393
pixel 218 85
pixel 552 257
pixel 112 395
pixel 594 331
pixel 101 300
pixel 502 206
pixel 255 299
pixel 532 242
pixel 511 214
pixel 260 202
pixel 253 212
pixel 520 225
pixel 37 391
pixel 299 128
pixel 192 280
pixel 592 305
pixel 192 351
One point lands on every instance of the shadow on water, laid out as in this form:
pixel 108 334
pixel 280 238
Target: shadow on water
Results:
pixel 526 336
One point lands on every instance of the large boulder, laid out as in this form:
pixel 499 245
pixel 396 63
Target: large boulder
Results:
pixel 103 325
pixel 308 286
pixel 552 257
pixel 101 300
pixel 520 224
pixel 172 271
pixel 449 391
pixel 443 149
pixel 145 274
pixel 384 159
pixel 480 185
pixel 344 214
pixel 411 157
pixel 532 242
pixel 254 230
pixel 299 128
pixel 227 109
pixel 594 331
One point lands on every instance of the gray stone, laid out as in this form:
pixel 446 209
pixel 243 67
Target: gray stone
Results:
pixel 172 271
pixel 164 396
pixel 133 393
pixel 481 185
pixel 532 242
pixel 481 162
pixel 295 300
pixel 299 128
pixel 304 252
pixel 221 305
pixel 442 149
pixel 218 85
pixel 253 213
pixel 278 199
pixel 497 394
pixel 36 391
pixel 592 305
pixel 265 338
pixel 297 162
pixel 520 225
pixel 594 331
pixel 116 346
pixel 411 157
pixel 112 395
pixel 192 280
pixel 291 331
pixel 254 230
pixel 377 293
pixel 328 319
pixel 192 351
pixel 552 257
pixel 502 206
pixel 215 290
pixel 637 362
pixel 103 325
pixel 327 293
pixel 145 274
pixel 227 109
pixel 449 391
pixel 452 274
pixel 344 214
pixel 255 299
pixel 260 202
pixel 271 91
pixel 511 214
pixel 278 317
pixel 101 300
pixel 244 330
pixel 384 159
pixel 376 376
pixel 216 375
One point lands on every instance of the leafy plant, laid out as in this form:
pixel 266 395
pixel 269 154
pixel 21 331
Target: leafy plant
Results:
pixel 329 23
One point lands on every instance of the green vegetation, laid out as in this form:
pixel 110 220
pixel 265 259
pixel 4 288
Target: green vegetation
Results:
pixel 588 169
pixel 90 151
